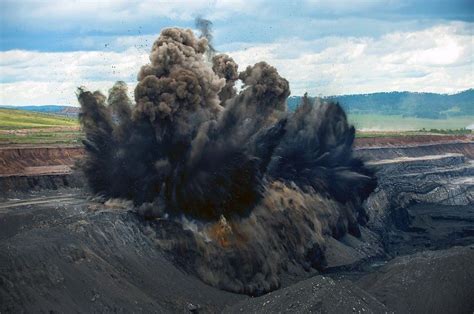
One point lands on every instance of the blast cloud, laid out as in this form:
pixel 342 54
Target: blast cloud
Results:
pixel 248 187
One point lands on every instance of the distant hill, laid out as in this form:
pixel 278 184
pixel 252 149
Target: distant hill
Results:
pixel 68 111
pixel 407 104
pixel 11 119
pixel 421 105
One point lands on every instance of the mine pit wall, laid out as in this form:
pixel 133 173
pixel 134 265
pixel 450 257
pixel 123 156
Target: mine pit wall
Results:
pixel 23 183
pixel 14 159
pixel 24 168
pixel 391 152
pixel 437 174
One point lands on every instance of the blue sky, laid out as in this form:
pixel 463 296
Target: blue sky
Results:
pixel 48 48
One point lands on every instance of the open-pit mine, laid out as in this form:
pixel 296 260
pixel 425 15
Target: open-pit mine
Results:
pixel 61 250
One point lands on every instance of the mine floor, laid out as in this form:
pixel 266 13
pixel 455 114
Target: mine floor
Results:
pixel 60 244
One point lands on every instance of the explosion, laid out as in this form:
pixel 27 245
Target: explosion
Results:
pixel 235 188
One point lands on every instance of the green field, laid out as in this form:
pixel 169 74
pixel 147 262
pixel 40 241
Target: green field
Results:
pixel 26 127
pixel 11 119
pixel 42 137
pixel 374 122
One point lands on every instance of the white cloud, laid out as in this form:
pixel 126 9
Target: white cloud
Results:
pixel 438 59
pixel 77 66
pixel 49 93
pixel 30 77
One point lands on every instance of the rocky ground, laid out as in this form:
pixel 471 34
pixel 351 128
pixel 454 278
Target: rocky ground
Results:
pixel 425 282
pixel 60 251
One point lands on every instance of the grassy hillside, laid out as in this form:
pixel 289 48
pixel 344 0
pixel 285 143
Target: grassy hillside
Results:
pixel 26 127
pixel 11 119
pixel 68 111
pixel 407 104
pixel 40 136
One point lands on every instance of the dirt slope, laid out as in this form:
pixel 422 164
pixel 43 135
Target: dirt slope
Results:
pixel 17 160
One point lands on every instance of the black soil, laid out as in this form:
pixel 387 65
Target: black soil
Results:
pixel 60 252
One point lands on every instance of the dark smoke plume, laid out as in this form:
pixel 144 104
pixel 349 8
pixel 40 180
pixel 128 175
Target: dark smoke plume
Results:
pixel 248 188
pixel 205 27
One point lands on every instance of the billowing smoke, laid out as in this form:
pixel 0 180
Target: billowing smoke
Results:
pixel 225 67
pixel 247 188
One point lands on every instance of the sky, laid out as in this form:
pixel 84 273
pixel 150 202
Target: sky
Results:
pixel 49 48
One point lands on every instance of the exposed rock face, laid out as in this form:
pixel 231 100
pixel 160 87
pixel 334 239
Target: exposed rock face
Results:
pixel 434 173
pixel 26 168
pixel 430 226
pixel 412 141
pixel 436 179
pixel 425 196
pixel 11 184
pixel 15 159
pixel 381 151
